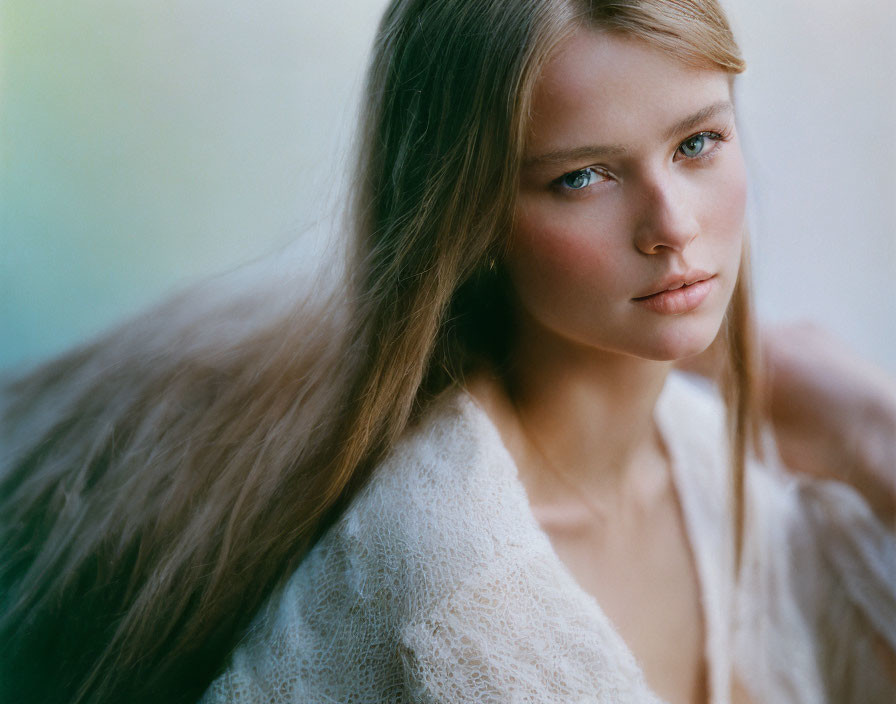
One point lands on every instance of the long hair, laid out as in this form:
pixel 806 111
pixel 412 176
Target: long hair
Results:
pixel 158 484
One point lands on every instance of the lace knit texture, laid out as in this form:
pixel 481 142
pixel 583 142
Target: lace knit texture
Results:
pixel 437 585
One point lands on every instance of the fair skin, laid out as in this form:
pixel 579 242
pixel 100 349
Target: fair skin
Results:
pixel 633 183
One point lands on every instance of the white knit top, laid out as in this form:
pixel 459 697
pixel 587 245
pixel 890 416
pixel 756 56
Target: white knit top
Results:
pixel 438 585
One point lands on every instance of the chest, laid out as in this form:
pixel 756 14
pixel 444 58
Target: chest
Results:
pixel 641 571
pixel 643 574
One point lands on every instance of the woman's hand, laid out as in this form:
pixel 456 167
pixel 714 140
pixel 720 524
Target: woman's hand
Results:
pixel 833 414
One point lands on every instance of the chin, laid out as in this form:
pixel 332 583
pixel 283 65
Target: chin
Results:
pixel 679 342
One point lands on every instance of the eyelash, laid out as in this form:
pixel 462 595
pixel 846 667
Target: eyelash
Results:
pixel 714 136
pixel 709 134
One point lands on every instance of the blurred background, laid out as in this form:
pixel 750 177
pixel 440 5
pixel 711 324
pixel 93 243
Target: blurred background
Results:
pixel 144 146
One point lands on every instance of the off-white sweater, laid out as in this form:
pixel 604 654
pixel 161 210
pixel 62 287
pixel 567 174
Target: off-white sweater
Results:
pixel 438 585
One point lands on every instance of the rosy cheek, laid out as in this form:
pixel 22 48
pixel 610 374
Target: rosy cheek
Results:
pixel 735 186
pixel 542 245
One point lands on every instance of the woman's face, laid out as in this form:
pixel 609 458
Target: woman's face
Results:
pixel 630 209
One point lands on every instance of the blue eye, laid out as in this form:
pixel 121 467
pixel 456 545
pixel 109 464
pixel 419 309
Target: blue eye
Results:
pixel 577 180
pixel 693 146
pixel 698 145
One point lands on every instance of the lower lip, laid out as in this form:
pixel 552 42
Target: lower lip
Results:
pixel 681 300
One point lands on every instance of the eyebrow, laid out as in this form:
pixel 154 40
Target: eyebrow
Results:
pixel 597 152
pixel 694 120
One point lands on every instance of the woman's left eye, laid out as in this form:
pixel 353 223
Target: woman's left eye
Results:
pixel 699 145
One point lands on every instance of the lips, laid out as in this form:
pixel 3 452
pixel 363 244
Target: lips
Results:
pixel 675 281
pixel 678 293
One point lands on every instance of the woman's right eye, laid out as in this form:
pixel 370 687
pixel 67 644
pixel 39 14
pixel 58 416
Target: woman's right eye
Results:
pixel 579 179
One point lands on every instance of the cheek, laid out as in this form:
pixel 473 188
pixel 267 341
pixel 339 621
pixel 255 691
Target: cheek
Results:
pixel 562 266
pixel 559 247
pixel 734 183
pixel 725 218
pixel 734 204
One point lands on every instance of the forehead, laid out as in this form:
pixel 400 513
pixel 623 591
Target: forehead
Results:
pixel 603 88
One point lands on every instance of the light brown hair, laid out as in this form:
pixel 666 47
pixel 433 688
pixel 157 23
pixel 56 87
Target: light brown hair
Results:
pixel 159 483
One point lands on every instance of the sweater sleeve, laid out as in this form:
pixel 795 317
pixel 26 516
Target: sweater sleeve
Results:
pixel 845 561
pixel 816 613
pixel 325 637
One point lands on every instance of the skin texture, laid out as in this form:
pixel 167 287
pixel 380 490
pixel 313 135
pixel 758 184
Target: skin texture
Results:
pixel 660 203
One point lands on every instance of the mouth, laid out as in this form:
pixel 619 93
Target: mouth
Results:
pixel 673 282
pixel 678 294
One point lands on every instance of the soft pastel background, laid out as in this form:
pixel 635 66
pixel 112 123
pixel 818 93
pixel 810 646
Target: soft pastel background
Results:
pixel 145 145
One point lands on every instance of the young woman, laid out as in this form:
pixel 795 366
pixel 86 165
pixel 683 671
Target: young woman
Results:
pixel 475 478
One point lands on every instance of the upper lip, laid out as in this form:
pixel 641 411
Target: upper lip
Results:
pixel 676 280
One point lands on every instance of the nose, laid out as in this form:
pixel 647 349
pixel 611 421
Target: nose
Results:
pixel 667 217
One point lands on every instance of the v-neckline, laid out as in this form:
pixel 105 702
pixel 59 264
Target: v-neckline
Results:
pixel 716 675
pixel 704 556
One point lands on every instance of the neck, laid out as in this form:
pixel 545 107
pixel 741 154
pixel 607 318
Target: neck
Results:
pixel 584 412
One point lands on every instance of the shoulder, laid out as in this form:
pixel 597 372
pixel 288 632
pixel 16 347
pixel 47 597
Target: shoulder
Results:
pixel 433 511
pixel 442 516
pixel 692 419
pixel 445 500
